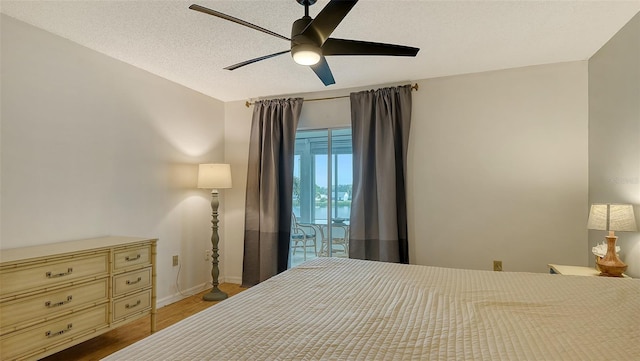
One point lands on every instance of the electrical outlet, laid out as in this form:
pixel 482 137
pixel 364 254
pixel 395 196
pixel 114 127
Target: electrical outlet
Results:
pixel 207 255
pixel 497 266
pixel 175 260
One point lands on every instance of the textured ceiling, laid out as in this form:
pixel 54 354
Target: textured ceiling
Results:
pixel 455 37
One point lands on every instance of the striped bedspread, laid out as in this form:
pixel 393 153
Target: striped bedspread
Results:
pixel 342 309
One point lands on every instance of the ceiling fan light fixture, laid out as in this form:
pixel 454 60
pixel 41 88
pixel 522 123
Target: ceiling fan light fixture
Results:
pixel 306 54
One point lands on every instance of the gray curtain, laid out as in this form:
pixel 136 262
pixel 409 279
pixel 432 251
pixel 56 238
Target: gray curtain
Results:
pixel 269 186
pixel 380 122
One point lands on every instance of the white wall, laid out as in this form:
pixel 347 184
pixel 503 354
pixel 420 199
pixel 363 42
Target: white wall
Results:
pixel 92 146
pixel 497 167
pixel 614 134
pixel 237 131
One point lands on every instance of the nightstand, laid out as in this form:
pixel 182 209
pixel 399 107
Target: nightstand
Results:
pixel 575 270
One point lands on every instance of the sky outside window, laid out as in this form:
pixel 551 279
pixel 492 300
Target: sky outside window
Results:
pixel 345 175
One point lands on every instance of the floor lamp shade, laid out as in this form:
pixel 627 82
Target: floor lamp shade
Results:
pixel 611 217
pixel 214 176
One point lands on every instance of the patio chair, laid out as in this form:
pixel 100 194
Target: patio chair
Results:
pixel 302 236
pixel 339 238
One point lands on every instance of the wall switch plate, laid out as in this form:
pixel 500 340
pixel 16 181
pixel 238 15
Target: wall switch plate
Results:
pixel 175 260
pixel 497 266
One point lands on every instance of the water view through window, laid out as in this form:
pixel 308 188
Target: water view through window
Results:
pixel 322 189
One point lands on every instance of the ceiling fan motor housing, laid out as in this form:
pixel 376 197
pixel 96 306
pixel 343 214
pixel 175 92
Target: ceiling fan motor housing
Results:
pixel 304 49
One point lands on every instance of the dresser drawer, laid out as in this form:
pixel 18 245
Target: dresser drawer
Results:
pixel 131 304
pixel 126 258
pixel 60 330
pixel 131 281
pixel 53 273
pixel 38 308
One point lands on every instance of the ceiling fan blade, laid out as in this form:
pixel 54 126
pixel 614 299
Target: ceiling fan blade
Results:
pixel 236 66
pixel 356 47
pixel 328 19
pixel 323 71
pixel 202 9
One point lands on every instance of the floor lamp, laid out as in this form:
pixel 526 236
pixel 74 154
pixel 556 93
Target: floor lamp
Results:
pixel 214 177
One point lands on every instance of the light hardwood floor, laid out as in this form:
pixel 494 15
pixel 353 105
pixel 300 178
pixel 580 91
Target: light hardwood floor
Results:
pixel 110 342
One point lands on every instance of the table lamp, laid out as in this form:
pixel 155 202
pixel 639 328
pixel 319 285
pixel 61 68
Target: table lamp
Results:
pixel 611 217
pixel 214 177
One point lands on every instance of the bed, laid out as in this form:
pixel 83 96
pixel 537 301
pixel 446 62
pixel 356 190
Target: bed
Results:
pixel 343 309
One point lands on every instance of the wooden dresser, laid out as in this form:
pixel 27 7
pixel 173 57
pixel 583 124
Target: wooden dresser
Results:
pixel 57 295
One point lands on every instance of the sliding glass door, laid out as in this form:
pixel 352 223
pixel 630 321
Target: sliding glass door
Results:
pixel 322 189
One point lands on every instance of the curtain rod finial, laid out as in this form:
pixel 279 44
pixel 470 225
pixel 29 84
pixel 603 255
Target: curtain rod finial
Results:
pixel 247 104
pixel 415 87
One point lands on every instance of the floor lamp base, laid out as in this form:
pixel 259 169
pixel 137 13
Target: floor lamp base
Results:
pixel 215 295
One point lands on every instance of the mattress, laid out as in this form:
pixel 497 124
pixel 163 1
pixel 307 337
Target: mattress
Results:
pixel 343 309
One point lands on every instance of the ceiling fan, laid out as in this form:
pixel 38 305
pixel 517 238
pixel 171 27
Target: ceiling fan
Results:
pixel 310 41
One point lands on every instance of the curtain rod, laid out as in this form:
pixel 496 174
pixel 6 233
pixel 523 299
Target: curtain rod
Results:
pixel 413 87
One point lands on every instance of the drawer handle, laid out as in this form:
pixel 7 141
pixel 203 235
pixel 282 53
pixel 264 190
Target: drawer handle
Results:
pixel 54 275
pixel 128 306
pixel 129 259
pixel 52 334
pixel 49 304
pixel 134 282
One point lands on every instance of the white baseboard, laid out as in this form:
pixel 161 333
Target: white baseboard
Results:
pixel 193 290
pixel 234 280
pixel 181 295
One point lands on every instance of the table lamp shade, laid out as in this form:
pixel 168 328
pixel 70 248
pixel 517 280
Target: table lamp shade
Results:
pixel 214 176
pixel 612 217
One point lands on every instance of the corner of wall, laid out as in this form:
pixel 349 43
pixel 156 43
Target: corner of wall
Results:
pixel 614 133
